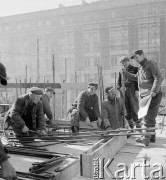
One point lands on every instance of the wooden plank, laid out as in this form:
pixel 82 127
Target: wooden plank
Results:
pixel 29 85
pixel 106 151
pixel 74 86
pixel 94 147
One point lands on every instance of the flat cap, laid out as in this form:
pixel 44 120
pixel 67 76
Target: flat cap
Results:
pixel 93 85
pixel 50 89
pixel 124 58
pixel 107 89
pixel 36 90
pixel 139 52
pixel 3 74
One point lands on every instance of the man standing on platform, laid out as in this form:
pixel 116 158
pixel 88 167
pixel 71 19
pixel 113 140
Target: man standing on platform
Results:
pixel 149 80
pixel 129 89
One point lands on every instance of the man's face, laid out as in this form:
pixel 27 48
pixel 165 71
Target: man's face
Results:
pixel 139 58
pixel 35 98
pixel 111 93
pixel 92 90
pixel 50 94
pixel 125 64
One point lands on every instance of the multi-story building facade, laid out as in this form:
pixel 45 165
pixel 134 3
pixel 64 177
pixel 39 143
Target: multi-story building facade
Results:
pixel 80 37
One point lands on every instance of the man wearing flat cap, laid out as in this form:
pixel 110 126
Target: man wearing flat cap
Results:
pixel 149 79
pixel 27 113
pixel 85 108
pixel 112 110
pixel 45 98
pixel 7 170
pixel 129 89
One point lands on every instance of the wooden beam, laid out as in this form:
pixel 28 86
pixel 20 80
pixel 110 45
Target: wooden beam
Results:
pixel 105 151
pixel 29 85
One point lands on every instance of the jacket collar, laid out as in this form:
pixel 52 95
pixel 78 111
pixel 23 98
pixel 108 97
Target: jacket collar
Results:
pixel 142 63
pixel 112 101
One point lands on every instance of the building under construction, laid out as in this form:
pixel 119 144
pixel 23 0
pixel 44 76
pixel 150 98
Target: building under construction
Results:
pixel 66 48
pixel 76 39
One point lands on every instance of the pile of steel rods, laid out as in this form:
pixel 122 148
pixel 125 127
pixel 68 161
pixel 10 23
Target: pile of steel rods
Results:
pixel 81 136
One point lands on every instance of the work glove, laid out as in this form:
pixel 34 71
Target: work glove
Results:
pixel 25 129
pixel 42 132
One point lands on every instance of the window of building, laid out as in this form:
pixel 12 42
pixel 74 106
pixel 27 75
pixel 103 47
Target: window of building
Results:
pixel 39 24
pixel 113 60
pixel 163 73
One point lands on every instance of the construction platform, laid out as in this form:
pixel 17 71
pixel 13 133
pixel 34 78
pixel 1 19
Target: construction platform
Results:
pixel 115 158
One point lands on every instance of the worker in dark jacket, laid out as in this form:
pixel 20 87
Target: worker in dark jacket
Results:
pixel 27 113
pixel 7 170
pixel 45 98
pixel 86 108
pixel 112 110
pixel 130 92
pixel 149 80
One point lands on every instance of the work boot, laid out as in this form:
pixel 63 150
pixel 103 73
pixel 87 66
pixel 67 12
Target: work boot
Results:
pixel 153 138
pixel 142 141
pixel 75 129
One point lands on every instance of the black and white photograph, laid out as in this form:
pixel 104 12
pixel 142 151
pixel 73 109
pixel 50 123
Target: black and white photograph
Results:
pixel 82 89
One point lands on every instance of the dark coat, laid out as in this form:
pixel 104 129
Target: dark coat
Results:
pixel 18 112
pixel 87 105
pixel 3 155
pixel 128 82
pixel 112 116
pixel 46 106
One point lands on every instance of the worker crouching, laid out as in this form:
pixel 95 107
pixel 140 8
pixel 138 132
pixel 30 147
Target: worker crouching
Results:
pixel 27 114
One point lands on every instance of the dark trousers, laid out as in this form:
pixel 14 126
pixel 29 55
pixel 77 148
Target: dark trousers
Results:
pixel 132 106
pixel 150 119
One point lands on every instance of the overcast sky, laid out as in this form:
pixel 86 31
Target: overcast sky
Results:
pixel 12 7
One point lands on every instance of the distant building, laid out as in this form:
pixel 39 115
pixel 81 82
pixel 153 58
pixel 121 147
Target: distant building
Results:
pixel 80 37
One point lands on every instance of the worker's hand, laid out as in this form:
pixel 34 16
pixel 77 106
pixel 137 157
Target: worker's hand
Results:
pixel 153 94
pixel 8 171
pixel 54 123
pixel 87 121
pixel 25 129
pixel 99 121
pixel 136 95
pixel 43 132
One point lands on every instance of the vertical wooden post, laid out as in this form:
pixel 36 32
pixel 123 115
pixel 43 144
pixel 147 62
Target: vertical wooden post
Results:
pixel 38 64
pixel 20 88
pixel 16 88
pixel 53 73
pixel 26 79
pixel 76 82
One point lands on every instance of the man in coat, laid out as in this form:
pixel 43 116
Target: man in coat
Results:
pixel 112 110
pixel 129 89
pixel 27 114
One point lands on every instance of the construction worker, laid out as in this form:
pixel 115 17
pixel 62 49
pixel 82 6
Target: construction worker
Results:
pixel 130 92
pixel 27 114
pixel 112 110
pixel 45 98
pixel 85 108
pixel 7 170
pixel 149 80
